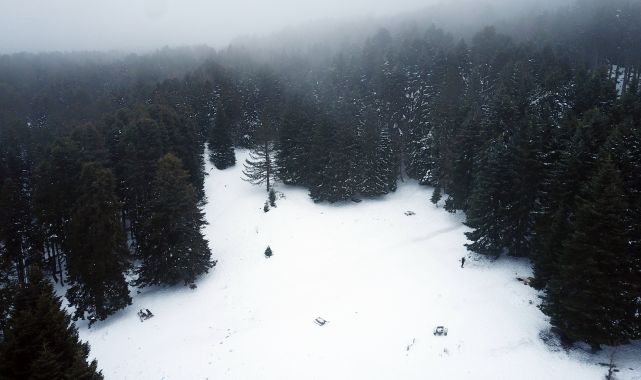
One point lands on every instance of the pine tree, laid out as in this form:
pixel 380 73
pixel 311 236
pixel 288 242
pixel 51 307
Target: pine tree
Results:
pixel 40 341
pixel 375 166
pixel 97 252
pixel 436 195
pixel 47 365
pixel 261 167
pixel 20 236
pixel 526 164
pixel 560 188
pixel 8 289
pixel 464 151
pixel 12 226
pixel 142 144
pixel 272 197
pixel 319 165
pixel 591 299
pixel 624 144
pixel 172 248
pixel 486 214
pixel 422 150
pixel 221 147
pixel 184 140
pixel 334 155
pixel 268 252
pixel 292 156
pixel 56 190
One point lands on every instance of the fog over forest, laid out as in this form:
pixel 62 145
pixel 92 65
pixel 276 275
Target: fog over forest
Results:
pixel 73 25
pixel 320 189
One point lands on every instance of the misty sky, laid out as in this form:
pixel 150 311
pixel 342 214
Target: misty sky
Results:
pixel 48 25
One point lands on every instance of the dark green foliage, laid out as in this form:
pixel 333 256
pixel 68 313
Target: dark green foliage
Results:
pixel 141 143
pixel 97 253
pixel 266 206
pixel 138 139
pixel 183 140
pixel 55 189
pixel 268 252
pixel 488 214
pixel 593 90
pixel 510 131
pixel 376 164
pixel 293 155
pixel 46 366
pixel 171 247
pixel 272 197
pixel 562 183
pixel 436 195
pixel 7 291
pixel 592 299
pixel 20 235
pixel 333 172
pixel 12 226
pixel 40 340
pixel 221 148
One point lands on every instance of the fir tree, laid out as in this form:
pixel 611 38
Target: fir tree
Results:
pixel 487 214
pixel 272 197
pixel 268 252
pixel 560 188
pixel 260 167
pixel 47 365
pixel 12 227
pixel 334 176
pixel 184 140
pixel 141 145
pixel 591 299
pixel 98 255
pixel 221 147
pixel 40 341
pixel 376 166
pixel 319 160
pixel 19 234
pixel 294 138
pixel 172 248
pixel 8 289
pixel 436 195
pixel 56 190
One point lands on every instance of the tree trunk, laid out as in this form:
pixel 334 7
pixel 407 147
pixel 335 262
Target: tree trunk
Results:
pixel 51 259
pixel 59 261
pixel 21 270
pixel 268 164
pixel 626 77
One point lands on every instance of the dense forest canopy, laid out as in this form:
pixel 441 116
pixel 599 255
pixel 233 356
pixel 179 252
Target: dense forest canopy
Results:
pixel 531 127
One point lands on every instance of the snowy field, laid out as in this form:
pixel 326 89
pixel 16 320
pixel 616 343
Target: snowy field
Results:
pixel 382 280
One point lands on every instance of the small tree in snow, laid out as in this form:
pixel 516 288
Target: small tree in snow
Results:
pixel 261 166
pixel 268 252
pixel 436 195
pixel 272 198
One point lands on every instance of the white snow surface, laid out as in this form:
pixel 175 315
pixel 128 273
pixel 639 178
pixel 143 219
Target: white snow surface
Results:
pixel 382 280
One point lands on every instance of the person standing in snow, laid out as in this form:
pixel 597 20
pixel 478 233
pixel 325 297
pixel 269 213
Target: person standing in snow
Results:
pixel 462 261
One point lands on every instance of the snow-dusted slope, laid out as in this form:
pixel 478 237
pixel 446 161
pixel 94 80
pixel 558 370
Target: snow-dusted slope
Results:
pixel 382 279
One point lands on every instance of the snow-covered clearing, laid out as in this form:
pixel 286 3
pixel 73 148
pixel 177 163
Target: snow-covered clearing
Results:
pixel 382 280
